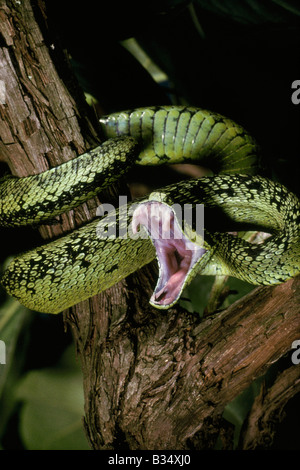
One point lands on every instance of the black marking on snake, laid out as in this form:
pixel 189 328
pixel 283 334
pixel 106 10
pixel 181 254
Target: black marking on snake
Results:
pixel 252 184
pixel 113 268
pixel 230 192
pixel 85 263
pixel 164 133
pixel 187 127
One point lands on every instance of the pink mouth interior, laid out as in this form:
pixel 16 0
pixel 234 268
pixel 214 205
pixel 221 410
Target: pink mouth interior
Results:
pixel 176 254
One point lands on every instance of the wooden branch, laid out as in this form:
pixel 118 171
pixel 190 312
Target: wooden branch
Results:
pixel 152 379
pixel 178 371
pixel 42 126
pixel 268 410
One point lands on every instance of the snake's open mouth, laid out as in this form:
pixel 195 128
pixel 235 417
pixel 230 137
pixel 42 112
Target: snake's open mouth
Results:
pixel 176 254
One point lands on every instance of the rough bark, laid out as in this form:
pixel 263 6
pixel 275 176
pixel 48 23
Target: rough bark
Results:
pixel 152 380
pixel 268 410
pixel 178 373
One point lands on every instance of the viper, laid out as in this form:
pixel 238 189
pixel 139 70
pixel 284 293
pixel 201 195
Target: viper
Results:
pixel 59 274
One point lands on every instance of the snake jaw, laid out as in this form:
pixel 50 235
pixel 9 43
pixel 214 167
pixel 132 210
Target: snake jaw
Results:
pixel 175 253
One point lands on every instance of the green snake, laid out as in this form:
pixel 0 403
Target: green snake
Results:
pixel 77 266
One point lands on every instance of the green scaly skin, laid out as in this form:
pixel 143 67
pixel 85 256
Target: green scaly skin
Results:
pixel 77 266
pixel 39 198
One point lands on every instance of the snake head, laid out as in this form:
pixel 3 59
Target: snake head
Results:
pixel 177 256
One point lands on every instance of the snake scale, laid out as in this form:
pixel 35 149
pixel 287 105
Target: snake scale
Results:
pixel 72 268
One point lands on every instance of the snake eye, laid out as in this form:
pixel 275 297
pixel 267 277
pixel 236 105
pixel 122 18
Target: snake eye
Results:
pixel 175 253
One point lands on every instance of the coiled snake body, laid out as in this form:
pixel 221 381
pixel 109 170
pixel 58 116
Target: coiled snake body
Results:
pixel 65 271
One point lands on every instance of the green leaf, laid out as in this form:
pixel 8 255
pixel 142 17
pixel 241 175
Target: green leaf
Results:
pixel 15 321
pixel 236 411
pixel 51 417
pixel 253 11
pixel 196 294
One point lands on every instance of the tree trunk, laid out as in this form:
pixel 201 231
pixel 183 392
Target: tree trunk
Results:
pixel 152 379
pixel 268 410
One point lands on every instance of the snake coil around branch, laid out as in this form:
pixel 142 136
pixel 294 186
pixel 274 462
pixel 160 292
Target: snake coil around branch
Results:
pixel 83 263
